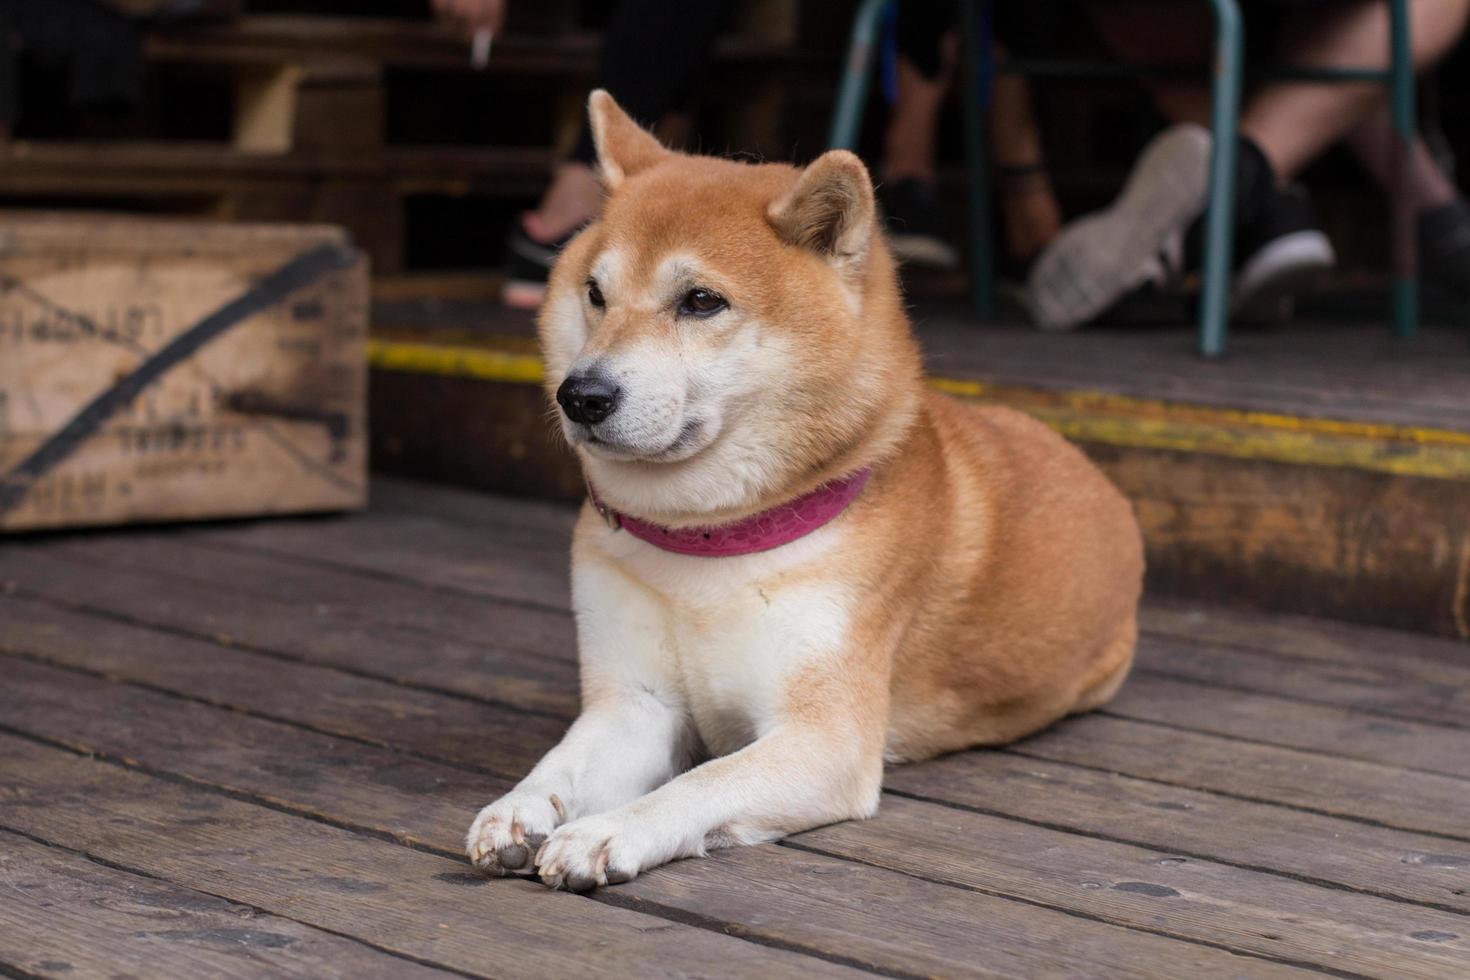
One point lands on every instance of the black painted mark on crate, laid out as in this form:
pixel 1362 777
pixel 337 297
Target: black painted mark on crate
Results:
pixel 306 268
pixel 337 424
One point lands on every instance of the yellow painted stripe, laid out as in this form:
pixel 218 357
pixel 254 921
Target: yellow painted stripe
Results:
pixel 483 363
pixel 1094 401
pixel 1086 416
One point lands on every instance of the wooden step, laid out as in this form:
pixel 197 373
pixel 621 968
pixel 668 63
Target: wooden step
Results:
pixel 1344 494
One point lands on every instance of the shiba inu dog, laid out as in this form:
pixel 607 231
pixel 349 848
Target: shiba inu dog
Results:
pixel 797 561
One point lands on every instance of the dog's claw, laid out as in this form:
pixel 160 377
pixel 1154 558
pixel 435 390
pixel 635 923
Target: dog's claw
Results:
pixel 500 840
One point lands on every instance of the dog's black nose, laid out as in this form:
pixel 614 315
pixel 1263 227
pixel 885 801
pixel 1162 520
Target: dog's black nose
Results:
pixel 587 398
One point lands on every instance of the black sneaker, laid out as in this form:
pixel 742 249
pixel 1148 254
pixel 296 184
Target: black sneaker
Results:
pixel 1444 248
pixel 1279 254
pixel 915 225
pixel 1278 251
pixel 527 265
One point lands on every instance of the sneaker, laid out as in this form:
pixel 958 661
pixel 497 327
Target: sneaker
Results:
pixel 528 264
pixel 915 225
pixel 1278 255
pixel 1099 258
pixel 1444 248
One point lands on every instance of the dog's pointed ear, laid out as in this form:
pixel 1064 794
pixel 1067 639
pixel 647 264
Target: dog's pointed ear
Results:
pixel 623 147
pixel 830 210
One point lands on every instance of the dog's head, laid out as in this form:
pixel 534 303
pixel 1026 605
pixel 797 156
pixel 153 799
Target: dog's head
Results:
pixel 726 332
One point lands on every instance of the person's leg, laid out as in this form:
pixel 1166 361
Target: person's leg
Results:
pixel 907 191
pixel 928 51
pixel 927 54
pixel 1294 122
pixel 9 80
pixel 1162 33
pixel 651 54
pixel 1376 144
pixel 1030 213
pixel 1443 214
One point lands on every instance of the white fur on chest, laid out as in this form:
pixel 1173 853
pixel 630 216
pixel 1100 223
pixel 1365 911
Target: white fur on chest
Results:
pixel 727 636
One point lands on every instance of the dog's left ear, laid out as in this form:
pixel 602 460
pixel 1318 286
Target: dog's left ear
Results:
pixel 830 211
pixel 623 146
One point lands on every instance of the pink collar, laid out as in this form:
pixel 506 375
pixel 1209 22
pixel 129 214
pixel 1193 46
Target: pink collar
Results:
pixel 759 532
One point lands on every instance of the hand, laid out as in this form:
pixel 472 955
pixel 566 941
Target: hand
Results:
pixel 473 15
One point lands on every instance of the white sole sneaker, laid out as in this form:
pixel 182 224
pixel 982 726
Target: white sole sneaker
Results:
pixel 1096 259
pixel 1264 290
pixel 924 251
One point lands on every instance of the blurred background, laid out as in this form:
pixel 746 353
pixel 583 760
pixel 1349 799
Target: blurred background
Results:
pixel 1322 465
pixel 369 113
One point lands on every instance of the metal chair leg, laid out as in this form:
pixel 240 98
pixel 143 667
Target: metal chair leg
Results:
pixel 1405 123
pixel 974 14
pixel 852 94
pixel 1214 309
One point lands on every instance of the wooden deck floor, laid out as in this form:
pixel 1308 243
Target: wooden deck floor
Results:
pixel 252 750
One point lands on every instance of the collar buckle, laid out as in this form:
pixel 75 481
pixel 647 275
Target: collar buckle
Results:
pixel 609 516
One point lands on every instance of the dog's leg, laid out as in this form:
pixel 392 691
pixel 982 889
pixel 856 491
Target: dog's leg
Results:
pixel 633 733
pixel 614 752
pixel 817 765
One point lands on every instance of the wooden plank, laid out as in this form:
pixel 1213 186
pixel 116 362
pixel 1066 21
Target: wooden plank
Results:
pixel 399 496
pixel 838 908
pixel 937 931
pixel 473 734
pixel 1148 696
pixel 1411 690
pixel 483 561
pixel 1396 797
pixel 1365 376
pixel 61 914
pixel 416 44
pixel 402 900
pixel 1188 822
pixel 1300 637
pixel 266 417
pixel 176 168
pixel 299 582
pixel 489 650
pixel 1266 914
pixel 343 778
pixel 1409 866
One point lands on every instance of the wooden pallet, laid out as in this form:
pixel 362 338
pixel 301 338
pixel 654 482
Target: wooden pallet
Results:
pixel 307 132
pixel 253 750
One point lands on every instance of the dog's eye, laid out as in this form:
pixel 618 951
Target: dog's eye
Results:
pixel 701 302
pixel 594 294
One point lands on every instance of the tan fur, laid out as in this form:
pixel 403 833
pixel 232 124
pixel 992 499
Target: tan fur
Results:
pixel 983 585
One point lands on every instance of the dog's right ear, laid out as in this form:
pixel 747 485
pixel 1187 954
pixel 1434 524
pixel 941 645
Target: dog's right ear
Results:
pixel 623 146
pixel 830 211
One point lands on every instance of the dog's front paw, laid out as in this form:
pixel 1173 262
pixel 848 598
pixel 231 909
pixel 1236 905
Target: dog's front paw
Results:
pixel 505 836
pixel 586 853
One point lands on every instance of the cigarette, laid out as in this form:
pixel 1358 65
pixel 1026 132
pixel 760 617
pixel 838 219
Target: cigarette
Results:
pixel 480 49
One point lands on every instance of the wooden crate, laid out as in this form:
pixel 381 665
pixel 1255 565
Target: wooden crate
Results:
pixel 162 371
